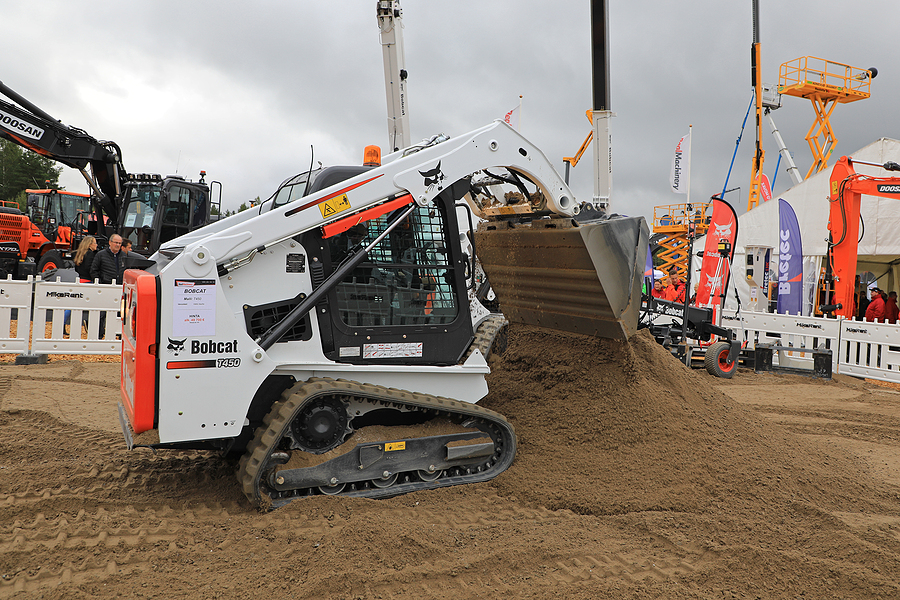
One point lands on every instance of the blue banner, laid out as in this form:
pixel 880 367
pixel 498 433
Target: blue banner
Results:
pixel 790 261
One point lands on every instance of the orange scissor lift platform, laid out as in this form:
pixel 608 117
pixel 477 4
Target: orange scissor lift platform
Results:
pixel 826 83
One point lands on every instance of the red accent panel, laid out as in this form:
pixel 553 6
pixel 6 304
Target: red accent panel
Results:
pixel 190 364
pixel 361 217
pixel 138 349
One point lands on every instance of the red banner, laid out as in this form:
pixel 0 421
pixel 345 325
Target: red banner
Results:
pixel 714 272
pixel 765 188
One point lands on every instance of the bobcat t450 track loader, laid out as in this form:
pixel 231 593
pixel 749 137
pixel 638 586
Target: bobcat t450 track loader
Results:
pixel 328 334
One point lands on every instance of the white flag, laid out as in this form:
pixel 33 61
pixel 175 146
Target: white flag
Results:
pixel 681 168
pixel 512 117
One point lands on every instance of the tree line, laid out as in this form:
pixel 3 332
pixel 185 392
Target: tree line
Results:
pixel 21 170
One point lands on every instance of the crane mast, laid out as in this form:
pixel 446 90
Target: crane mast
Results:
pixel 390 21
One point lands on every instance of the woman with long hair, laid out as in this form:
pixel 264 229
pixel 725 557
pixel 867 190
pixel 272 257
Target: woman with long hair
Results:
pixel 84 258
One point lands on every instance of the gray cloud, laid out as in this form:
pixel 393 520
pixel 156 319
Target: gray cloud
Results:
pixel 243 90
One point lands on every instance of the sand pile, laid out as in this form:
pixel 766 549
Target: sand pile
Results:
pixel 607 427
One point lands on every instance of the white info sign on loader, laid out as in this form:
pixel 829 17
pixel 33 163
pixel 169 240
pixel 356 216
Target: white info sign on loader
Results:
pixel 406 350
pixel 195 308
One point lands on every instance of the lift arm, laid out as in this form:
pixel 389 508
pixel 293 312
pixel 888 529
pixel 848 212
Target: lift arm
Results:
pixel 423 174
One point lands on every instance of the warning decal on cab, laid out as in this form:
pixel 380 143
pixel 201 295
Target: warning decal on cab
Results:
pixel 329 208
pixel 394 446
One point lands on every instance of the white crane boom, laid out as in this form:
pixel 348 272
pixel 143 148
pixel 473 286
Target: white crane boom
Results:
pixel 390 21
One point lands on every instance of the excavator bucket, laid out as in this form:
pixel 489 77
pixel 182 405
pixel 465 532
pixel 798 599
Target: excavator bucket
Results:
pixel 582 277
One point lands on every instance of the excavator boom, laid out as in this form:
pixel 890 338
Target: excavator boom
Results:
pixel 32 128
pixel 847 189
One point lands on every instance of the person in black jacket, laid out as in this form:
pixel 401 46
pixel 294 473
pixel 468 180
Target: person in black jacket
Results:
pixel 84 258
pixel 109 264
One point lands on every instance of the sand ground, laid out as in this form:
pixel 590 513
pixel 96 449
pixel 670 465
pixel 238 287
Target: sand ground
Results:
pixel 635 478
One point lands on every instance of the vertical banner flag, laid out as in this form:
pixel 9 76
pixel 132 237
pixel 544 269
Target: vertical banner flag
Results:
pixel 765 188
pixel 681 168
pixel 790 261
pixel 714 273
pixel 513 117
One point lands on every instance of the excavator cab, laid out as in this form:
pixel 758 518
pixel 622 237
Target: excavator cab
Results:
pixel 54 222
pixel 51 209
pixel 156 210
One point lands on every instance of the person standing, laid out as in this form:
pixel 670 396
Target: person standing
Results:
pixel 891 310
pixel 875 310
pixel 84 258
pixel 109 264
pixel 675 291
pixel 658 291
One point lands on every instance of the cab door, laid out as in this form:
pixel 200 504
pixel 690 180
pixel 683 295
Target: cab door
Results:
pixel 175 216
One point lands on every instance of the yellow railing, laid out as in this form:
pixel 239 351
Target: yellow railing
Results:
pixel 677 218
pixel 809 75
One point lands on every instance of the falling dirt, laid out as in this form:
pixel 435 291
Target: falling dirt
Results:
pixel 634 478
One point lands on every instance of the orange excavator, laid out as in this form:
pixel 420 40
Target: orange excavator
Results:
pixel 847 189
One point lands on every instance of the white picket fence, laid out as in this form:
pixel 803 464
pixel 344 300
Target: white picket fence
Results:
pixel 859 348
pixel 57 304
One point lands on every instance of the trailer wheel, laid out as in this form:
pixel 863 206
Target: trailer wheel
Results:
pixel 52 259
pixel 716 360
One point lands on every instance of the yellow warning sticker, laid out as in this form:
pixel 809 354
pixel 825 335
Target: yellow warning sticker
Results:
pixel 392 446
pixel 329 208
pixel 834 187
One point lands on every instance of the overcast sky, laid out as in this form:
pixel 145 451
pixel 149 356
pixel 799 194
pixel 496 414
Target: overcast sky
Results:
pixel 242 90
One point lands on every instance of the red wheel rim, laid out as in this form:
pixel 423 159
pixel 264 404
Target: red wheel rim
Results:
pixel 723 361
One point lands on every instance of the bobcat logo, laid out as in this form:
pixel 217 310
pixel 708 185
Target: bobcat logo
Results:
pixel 433 177
pixel 176 346
pixel 722 230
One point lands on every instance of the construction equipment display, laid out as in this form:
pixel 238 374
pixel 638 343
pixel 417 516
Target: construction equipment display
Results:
pixel 55 219
pixel 847 188
pixel 147 208
pixel 327 334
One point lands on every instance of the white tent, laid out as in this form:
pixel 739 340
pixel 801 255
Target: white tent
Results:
pixel 879 248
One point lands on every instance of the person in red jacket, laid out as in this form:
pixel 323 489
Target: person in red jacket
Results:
pixel 891 310
pixel 658 291
pixel 875 311
pixel 675 291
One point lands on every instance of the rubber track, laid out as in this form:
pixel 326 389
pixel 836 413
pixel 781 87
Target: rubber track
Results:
pixel 277 421
pixel 487 332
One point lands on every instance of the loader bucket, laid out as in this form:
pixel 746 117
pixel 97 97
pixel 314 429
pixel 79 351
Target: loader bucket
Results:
pixel 560 274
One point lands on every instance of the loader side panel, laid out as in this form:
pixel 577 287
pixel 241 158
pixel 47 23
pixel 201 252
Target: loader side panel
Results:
pixel 140 348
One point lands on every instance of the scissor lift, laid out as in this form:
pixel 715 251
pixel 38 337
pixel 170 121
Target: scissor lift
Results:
pixel 676 221
pixel 826 84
